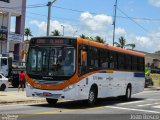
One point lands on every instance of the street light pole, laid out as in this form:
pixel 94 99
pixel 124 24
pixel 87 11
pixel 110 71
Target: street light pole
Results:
pixel 49 16
pixel 63 29
pixel 114 22
pixel 74 33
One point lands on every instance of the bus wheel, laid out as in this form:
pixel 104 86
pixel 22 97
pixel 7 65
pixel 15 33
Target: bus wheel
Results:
pixel 51 101
pixel 3 87
pixel 128 93
pixel 92 96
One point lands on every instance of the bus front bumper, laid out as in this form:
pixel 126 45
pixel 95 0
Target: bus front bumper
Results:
pixel 33 92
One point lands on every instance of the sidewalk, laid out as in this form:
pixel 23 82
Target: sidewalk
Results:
pixel 153 88
pixel 17 97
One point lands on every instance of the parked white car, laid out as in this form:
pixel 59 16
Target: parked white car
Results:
pixel 3 82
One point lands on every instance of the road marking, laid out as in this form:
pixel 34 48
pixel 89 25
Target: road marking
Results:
pixel 131 102
pixel 67 111
pixel 149 91
pixel 147 104
pixel 158 106
pixel 132 109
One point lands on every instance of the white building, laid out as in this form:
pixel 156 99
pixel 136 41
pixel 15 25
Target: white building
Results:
pixel 11 43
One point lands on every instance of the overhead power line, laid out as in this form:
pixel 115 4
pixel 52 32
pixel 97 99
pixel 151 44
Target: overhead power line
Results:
pixel 80 11
pixel 132 20
pixel 146 30
pixel 28 6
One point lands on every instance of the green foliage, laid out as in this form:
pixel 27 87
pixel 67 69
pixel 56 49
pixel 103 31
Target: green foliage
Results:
pixel 96 39
pixel 27 32
pixel 122 43
pixel 56 33
pixel 158 52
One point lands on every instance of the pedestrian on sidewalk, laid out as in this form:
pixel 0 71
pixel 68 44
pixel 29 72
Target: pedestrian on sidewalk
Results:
pixel 21 80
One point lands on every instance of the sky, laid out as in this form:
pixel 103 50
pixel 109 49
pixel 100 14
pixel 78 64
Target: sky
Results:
pixel 138 21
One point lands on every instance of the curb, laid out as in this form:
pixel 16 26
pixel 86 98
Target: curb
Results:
pixel 152 88
pixel 21 102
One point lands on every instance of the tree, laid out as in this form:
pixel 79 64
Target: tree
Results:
pixel 122 43
pixel 131 45
pixel 96 39
pixel 86 37
pixel 158 52
pixel 83 36
pixel 27 32
pixel 55 33
pixel 99 39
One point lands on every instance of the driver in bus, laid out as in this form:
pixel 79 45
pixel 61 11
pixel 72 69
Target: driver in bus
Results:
pixel 68 69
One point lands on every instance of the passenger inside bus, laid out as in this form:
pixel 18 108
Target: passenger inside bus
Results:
pixel 69 65
pixel 65 63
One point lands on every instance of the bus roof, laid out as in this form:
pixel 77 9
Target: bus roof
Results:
pixel 112 48
pixel 64 37
pixel 96 44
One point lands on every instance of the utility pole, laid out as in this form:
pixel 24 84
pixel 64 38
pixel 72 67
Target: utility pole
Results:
pixel 114 21
pixel 63 29
pixel 49 15
pixel 74 33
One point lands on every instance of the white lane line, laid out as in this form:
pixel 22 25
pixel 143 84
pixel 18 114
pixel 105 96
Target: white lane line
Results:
pixel 138 101
pixel 147 104
pixel 158 106
pixel 132 109
pixel 131 102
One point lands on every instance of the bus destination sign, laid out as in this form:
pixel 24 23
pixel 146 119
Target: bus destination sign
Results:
pixel 52 41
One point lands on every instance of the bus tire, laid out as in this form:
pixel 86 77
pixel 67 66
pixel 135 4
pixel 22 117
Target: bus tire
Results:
pixel 128 93
pixel 3 87
pixel 92 97
pixel 51 101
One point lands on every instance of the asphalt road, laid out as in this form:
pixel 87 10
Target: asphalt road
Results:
pixel 142 105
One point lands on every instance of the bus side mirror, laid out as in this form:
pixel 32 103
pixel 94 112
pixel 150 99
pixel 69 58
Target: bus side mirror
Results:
pixel 84 55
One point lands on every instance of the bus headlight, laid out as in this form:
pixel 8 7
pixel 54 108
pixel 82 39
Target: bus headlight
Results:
pixel 28 85
pixel 69 87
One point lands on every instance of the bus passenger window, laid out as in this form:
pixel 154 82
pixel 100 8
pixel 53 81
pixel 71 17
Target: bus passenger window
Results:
pixel 112 60
pixel 104 61
pixel 121 62
pixel 82 60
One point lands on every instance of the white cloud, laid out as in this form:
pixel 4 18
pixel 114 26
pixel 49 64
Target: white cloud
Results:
pixel 120 31
pixel 143 40
pixel 97 22
pixel 155 3
pixel 54 25
pixel 101 25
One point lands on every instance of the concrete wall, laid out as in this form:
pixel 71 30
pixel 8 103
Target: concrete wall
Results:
pixel 14 7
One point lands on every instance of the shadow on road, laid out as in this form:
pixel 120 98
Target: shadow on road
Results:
pixel 83 104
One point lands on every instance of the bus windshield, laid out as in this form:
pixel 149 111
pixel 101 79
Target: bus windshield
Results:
pixel 51 61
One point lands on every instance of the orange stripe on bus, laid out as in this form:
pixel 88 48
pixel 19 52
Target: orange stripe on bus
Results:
pixel 65 84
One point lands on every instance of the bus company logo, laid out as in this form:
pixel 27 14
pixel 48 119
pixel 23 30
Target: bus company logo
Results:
pixel 37 86
pixel 109 78
pixel 97 78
